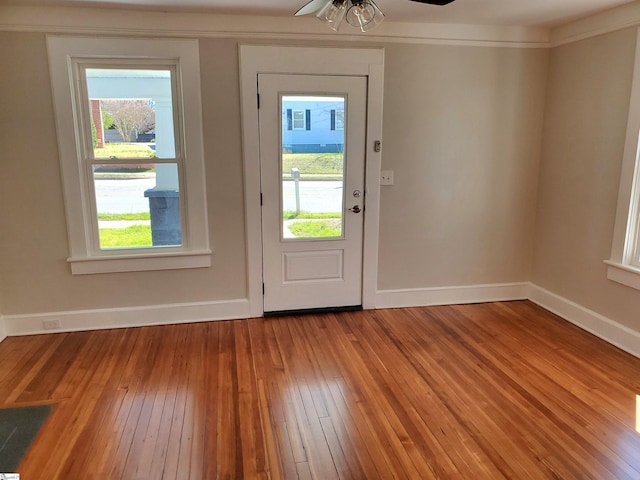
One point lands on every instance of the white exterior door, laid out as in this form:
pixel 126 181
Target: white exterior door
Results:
pixel 312 161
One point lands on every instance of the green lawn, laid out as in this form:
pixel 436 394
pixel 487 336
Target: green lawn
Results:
pixel 129 237
pixel 290 215
pixel 313 163
pixel 124 150
pixel 124 216
pixel 316 228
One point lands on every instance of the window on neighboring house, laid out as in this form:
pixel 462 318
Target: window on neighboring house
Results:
pixel 127 113
pixel 624 264
pixel 298 119
pixel 337 119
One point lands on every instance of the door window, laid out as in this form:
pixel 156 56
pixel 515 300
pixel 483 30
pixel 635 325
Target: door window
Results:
pixel 312 166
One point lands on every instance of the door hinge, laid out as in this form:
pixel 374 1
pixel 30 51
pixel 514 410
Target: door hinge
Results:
pixel 258 101
pixel 263 288
pixel 260 198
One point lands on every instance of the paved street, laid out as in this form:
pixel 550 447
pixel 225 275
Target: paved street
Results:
pixel 123 196
pixel 315 196
pixel 127 196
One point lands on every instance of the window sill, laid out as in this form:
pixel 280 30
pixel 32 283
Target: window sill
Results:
pixel 624 274
pixel 140 263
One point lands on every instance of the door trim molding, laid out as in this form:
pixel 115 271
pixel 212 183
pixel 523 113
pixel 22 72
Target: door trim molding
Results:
pixel 256 59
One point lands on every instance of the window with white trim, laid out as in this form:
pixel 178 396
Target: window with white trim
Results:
pixel 624 263
pixel 299 120
pixel 129 127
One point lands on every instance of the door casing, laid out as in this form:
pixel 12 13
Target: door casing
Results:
pixel 255 59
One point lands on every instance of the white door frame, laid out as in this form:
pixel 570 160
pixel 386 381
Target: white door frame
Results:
pixel 255 59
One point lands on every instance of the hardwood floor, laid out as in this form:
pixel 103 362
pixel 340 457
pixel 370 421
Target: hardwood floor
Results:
pixel 490 391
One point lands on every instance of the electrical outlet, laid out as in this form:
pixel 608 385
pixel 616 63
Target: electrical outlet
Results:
pixel 52 324
pixel 386 177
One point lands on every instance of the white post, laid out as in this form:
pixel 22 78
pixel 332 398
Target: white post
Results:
pixel 295 174
pixel 166 174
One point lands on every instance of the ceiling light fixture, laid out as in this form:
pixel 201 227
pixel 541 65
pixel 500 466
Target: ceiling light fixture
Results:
pixel 362 14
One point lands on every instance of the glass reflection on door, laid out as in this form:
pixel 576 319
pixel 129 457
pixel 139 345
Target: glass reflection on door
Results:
pixel 312 165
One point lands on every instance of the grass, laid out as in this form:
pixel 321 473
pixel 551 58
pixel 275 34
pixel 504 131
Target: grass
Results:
pixel 313 163
pixel 316 228
pixel 124 216
pixel 129 237
pixel 124 150
pixel 290 215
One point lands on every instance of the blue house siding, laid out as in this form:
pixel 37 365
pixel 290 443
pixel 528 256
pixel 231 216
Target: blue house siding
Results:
pixel 312 126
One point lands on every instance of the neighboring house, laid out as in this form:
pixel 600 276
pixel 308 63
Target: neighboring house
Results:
pixel 313 125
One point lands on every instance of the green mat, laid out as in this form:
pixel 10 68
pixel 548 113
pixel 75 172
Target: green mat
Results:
pixel 18 428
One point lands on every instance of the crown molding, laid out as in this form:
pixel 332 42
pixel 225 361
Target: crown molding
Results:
pixel 152 23
pixel 105 21
pixel 608 21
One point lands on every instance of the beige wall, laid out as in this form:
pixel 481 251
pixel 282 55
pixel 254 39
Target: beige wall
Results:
pixel 34 274
pixel 586 115
pixel 462 132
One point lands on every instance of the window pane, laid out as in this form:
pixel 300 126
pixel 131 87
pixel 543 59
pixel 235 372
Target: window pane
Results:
pixel 340 119
pixel 312 165
pixel 131 113
pixel 298 119
pixel 635 259
pixel 132 211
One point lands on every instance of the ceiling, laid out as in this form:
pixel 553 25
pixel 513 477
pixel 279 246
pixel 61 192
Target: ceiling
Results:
pixel 547 13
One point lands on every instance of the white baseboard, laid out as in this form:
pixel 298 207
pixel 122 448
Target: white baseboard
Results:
pixel 593 322
pixel 422 297
pixel 599 325
pixel 3 330
pixel 72 321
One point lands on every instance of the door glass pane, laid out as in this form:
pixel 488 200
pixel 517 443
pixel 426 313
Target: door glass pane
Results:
pixel 312 166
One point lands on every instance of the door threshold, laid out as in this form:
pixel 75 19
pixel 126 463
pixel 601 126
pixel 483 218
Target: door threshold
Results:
pixel 314 311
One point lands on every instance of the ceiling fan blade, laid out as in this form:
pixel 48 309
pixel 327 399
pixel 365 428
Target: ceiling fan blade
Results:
pixel 311 7
pixel 434 2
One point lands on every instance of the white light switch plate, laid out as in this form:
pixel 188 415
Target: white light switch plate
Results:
pixel 386 177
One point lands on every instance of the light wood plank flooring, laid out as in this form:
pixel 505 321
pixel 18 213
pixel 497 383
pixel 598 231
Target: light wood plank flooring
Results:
pixel 489 391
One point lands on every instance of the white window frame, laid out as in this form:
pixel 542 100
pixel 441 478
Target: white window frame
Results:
pixel 65 54
pixel 623 265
